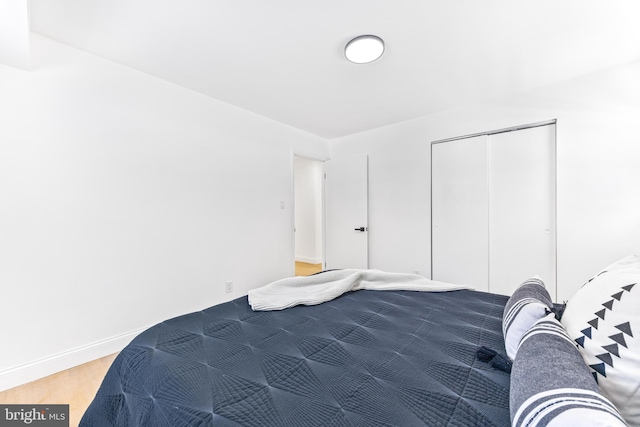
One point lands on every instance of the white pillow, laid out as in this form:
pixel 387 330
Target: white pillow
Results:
pixel 603 318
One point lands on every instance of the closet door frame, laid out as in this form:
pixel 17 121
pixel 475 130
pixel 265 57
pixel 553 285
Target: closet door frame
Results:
pixel 554 161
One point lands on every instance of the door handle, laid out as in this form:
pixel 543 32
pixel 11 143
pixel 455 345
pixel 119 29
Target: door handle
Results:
pixel 362 229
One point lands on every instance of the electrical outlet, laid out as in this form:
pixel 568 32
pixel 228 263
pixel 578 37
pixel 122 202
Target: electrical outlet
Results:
pixel 229 286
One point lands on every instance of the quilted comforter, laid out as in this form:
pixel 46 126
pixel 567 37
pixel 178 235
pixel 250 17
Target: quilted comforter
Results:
pixel 367 358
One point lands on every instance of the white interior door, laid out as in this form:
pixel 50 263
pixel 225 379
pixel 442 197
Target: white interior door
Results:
pixel 347 199
pixel 522 237
pixel 460 209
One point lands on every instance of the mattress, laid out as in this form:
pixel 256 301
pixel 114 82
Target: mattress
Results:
pixel 367 358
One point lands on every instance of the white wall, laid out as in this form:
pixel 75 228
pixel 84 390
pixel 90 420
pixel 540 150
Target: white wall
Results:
pixel 308 210
pixel 126 200
pixel 598 152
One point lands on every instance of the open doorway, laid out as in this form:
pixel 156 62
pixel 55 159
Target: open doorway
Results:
pixel 308 180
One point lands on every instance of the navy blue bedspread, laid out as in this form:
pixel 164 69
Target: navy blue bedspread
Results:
pixel 367 358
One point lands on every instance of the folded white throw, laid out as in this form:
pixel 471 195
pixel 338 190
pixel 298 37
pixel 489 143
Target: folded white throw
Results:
pixel 319 288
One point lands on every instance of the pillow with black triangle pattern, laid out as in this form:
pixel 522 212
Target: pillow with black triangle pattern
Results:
pixel 603 319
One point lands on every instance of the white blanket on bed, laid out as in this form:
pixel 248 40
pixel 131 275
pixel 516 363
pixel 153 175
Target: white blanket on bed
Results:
pixel 319 288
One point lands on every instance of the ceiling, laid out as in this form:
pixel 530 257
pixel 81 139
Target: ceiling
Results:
pixel 284 59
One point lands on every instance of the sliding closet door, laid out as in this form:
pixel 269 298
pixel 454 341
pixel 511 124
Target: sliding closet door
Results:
pixel 522 232
pixel 459 229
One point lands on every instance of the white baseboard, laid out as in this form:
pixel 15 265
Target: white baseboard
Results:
pixel 308 260
pixel 22 374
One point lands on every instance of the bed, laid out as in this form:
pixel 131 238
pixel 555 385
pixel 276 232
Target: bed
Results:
pixel 392 357
pixel 366 358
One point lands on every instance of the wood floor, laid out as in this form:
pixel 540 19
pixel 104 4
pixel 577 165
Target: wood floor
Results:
pixel 75 387
pixel 78 386
pixel 305 269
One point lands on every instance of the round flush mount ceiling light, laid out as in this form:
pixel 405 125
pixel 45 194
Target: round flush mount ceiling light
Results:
pixel 364 49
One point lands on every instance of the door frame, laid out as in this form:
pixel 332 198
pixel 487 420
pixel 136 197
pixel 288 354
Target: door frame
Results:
pixel 489 133
pixel 320 160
